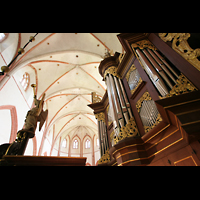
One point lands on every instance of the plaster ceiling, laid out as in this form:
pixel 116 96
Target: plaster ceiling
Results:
pixel 65 67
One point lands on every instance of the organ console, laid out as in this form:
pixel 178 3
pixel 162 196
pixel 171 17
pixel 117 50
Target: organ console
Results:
pixel 151 106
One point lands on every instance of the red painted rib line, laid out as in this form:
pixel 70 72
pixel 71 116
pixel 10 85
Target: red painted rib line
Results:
pixel 89 63
pixel 5 83
pixel 90 119
pixel 57 80
pixel 56 61
pixel 19 42
pixel 100 41
pixel 36 77
pixel 62 62
pixel 66 94
pixel 20 90
pixel 3 59
pixel 93 78
pixel 59 133
pixel 32 49
pixel 45 131
pixel 61 109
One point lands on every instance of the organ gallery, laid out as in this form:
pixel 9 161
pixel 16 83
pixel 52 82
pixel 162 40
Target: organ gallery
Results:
pixel 149 114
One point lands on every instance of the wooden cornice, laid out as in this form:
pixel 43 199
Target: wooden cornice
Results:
pixel 126 39
pixel 108 62
pixel 100 106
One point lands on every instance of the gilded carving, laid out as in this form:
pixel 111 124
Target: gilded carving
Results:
pixel 129 130
pixel 146 96
pixel 105 158
pixel 121 56
pixel 100 116
pixel 183 86
pixel 112 70
pixel 132 68
pixel 95 98
pixel 143 44
pixel 112 135
pixel 181 46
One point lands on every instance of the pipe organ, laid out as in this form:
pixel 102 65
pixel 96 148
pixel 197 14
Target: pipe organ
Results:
pixel 150 109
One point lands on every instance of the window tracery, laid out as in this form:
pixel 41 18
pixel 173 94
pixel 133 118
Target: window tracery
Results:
pixel 75 144
pixel 87 144
pixel 25 81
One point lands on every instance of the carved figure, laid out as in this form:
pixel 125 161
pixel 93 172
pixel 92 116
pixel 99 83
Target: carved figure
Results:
pixel 33 116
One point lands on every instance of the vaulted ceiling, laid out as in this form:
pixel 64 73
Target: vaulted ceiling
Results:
pixel 65 67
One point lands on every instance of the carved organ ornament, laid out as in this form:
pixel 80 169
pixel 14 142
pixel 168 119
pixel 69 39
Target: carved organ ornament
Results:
pixel 119 107
pixel 181 46
pixel 167 80
pixel 148 112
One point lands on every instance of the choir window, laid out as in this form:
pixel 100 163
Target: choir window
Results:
pixel 64 143
pixel 75 144
pixel 25 81
pixel 87 144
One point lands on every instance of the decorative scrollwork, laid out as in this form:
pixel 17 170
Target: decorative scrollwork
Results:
pixel 95 98
pixel 150 117
pixel 183 86
pixel 132 68
pixel 136 77
pixel 121 56
pixel 143 44
pixel 111 70
pixel 129 130
pixel 146 96
pixel 100 116
pixel 181 46
pixel 105 158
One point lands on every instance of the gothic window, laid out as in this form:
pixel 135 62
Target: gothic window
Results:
pixel 64 143
pixel 87 144
pixel 75 144
pixel 25 81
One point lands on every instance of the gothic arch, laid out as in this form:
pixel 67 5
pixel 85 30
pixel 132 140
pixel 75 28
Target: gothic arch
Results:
pixel 14 121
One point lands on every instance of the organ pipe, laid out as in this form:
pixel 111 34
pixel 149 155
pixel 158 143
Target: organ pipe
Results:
pixel 162 65
pixel 154 76
pixel 119 104
pixel 100 143
pixel 112 106
pixel 163 60
pixel 102 132
pixel 158 68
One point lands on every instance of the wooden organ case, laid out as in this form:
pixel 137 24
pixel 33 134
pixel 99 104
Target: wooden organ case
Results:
pixel 150 113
